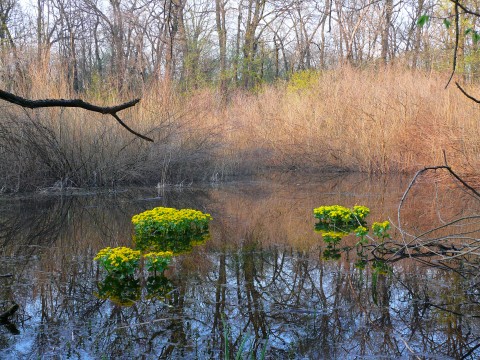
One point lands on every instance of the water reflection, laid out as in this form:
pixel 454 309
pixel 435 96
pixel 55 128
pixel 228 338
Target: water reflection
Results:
pixel 260 280
pixel 126 291
pixel 177 245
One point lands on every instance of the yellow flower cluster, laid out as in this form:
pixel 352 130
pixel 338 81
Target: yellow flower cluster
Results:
pixel 381 225
pixel 333 212
pixel 118 255
pixel 340 215
pixel 380 229
pixel 361 230
pixel 170 215
pixel 360 211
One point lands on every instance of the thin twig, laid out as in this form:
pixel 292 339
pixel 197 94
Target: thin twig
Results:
pixel 455 49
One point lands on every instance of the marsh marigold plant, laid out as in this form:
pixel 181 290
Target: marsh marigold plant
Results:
pixel 125 261
pixel 340 217
pixel 170 222
pixel 119 260
pixel 336 222
pixel 169 229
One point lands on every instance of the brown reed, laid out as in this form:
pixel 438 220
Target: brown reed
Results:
pixel 382 120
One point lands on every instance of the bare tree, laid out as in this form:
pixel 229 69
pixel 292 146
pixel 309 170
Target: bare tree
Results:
pixel 220 19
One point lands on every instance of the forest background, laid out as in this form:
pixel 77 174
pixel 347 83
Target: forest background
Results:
pixel 235 87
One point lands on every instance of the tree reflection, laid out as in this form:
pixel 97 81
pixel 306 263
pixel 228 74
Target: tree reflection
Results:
pixel 260 279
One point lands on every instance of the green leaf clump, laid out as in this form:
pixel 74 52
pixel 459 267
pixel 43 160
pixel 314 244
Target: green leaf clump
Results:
pixel 422 20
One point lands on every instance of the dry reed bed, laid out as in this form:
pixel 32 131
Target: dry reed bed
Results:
pixel 377 121
pixel 372 121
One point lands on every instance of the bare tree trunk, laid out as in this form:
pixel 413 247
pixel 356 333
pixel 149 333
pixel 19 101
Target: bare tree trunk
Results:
pixel 74 64
pixel 98 59
pixel 277 50
pixel 40 44
pixel 418 35
pixel 186 72
pixel 172 29
pixel 386 30
pixel 237 45
pixel 255 14
pixel 220 14
pixel 118 56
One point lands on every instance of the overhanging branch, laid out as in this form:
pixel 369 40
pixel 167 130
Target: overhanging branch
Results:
pixel 75 103
pixel 467 94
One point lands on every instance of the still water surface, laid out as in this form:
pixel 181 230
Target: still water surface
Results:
pixel 257 287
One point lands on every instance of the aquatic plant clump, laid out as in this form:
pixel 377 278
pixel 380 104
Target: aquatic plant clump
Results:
pixel 381 229
pixel 119 260
pixel 160 234
pixel 123 265
pixel 336 222
pixel 125 261
pixel 340 217
pixel 170 222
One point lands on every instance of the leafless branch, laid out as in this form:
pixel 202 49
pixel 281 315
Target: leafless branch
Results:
pixel 466 94
pixel 76 103
pixel 464 8
pixel 417 175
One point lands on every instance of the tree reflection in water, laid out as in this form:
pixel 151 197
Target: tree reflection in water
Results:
pixel 259 280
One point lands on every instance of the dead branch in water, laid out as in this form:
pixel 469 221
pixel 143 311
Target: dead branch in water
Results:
pixel 11 311
pixel 76 103
pixel 434 247
pixel 429 168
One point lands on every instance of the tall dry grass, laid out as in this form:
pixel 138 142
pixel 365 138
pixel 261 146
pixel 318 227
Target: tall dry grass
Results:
pixel 76 148
pixel 369 120
pixel 376 121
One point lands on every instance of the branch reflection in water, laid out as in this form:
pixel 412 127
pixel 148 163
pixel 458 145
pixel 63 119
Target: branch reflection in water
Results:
pixel 260 279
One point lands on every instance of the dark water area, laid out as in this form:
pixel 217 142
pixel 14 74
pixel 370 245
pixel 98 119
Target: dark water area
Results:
pixel 258 287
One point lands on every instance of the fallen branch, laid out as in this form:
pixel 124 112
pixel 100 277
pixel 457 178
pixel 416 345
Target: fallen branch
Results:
pixel 76 103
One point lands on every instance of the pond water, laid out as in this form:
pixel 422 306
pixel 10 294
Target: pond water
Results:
pixel 258 287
